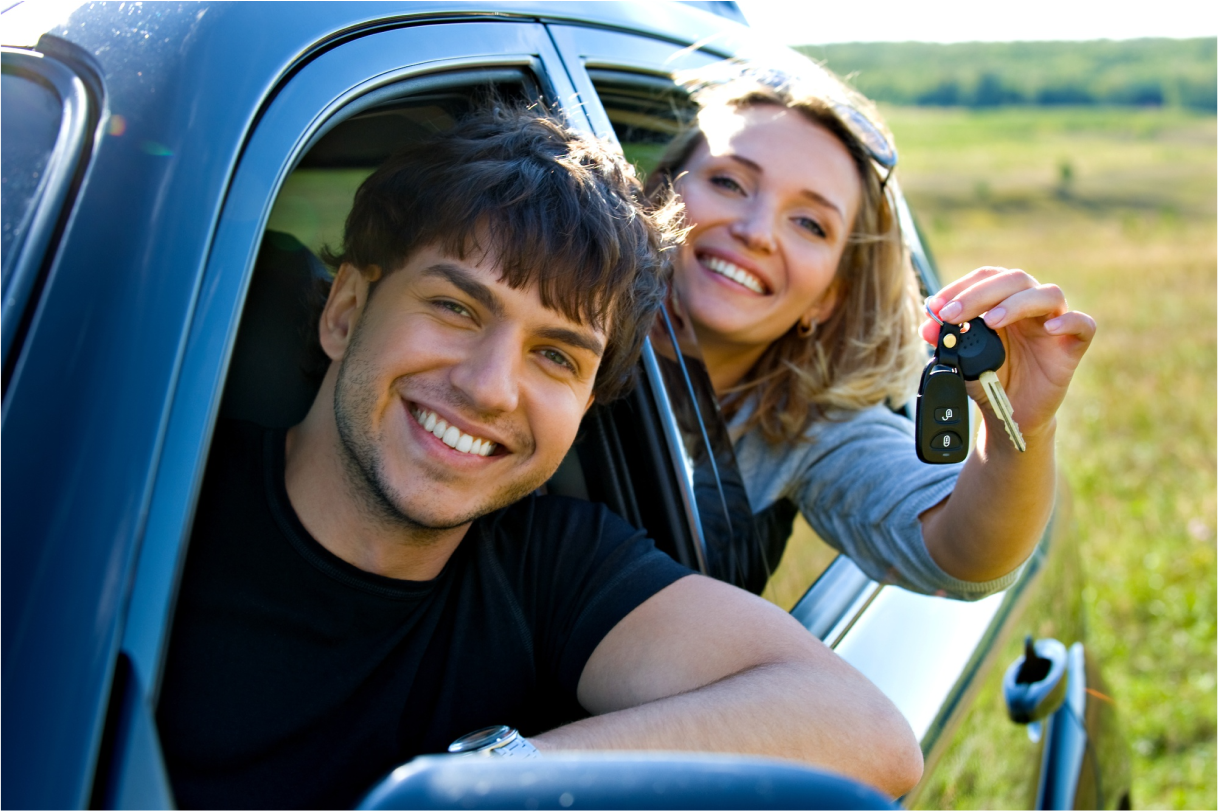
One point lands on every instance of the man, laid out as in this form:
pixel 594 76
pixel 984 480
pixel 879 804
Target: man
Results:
pixel 381 579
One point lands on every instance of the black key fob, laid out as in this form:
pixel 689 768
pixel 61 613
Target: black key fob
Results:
pixel 980 350
pixel 942 429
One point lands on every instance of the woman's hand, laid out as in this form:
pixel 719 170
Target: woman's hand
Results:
pixel 1043 337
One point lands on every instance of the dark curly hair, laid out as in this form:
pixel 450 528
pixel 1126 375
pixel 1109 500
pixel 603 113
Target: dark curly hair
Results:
pixel 556 208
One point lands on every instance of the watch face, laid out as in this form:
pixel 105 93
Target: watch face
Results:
pixel 482 739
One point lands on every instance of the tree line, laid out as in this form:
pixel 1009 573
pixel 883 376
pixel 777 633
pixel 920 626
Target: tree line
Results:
pixel 1143 72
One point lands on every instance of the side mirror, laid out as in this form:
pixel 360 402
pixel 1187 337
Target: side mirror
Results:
pixel 1035 684
pixel 655 780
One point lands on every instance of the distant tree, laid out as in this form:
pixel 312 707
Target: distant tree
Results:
pixel 947 94
pixel 1064 94
pixel 991 92
pixel 1168 72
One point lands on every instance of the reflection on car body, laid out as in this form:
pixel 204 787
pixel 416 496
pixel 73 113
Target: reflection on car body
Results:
pixel 133 317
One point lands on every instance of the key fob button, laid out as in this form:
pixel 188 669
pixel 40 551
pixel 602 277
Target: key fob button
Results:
pixel 946 441
pixel 947 415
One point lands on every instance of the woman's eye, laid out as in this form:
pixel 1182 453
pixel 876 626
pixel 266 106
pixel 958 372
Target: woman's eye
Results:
pixel 726 183
pixel 810 225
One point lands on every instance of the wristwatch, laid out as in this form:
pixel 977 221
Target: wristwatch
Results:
pixel 498 741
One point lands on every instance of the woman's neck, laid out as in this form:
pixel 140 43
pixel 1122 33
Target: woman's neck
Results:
pixel 727 362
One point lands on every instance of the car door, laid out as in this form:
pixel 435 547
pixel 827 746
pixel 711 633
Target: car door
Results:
pixel 928 654
pixel 225 138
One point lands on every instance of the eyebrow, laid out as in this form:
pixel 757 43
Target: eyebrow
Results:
pixel 461 279
pixel 570 337
pixel 811 195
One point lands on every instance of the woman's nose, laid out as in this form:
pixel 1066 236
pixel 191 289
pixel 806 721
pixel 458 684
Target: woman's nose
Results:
pixel 489 375
pixel 755 228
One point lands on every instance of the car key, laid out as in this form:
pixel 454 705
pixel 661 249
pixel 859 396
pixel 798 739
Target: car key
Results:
pixel 942 421
pixel 981 354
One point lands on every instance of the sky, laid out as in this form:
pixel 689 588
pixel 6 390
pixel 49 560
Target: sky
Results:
pixel 812 22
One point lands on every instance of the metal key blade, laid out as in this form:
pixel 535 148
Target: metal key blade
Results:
pixel 1002 407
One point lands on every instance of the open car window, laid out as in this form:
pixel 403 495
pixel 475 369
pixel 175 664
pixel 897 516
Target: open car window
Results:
pixel 272 376
pixel 646 112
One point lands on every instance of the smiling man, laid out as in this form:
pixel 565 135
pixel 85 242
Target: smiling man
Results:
pixel 382 578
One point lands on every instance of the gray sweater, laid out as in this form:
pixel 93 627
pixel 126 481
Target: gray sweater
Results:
pixel 861 486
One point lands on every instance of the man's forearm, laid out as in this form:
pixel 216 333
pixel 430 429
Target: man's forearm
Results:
pixel 826 717
pixel 998 508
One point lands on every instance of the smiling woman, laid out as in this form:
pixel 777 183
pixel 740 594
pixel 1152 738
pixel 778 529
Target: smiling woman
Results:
pixel 795 279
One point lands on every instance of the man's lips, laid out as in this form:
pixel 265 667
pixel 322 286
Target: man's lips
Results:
pixel 730 270
pixel 451 435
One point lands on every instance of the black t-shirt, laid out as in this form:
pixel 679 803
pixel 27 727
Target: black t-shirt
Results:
pixel 294 679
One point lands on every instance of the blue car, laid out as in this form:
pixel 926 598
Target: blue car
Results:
pixel 169 171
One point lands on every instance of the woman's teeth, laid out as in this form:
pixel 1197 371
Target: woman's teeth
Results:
pixel 735 273
pixel 451 435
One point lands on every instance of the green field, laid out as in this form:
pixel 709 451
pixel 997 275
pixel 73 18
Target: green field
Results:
pixel 1117 206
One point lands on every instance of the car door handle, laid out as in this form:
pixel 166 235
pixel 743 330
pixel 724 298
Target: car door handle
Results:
pixel 1035 684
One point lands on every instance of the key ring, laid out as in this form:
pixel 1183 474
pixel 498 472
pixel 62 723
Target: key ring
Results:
pixel 933 317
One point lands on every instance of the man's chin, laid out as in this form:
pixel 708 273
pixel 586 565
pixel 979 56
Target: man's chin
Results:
pixel 454 510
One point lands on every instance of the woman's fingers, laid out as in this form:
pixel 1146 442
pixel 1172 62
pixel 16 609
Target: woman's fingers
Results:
pixel 985 293
pixel 949 292
pixel 1042 301
pixel 1076 324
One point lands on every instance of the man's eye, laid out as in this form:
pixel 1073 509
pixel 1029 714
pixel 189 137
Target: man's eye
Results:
pixel 453 307
pixel 727 183
pixel 556 357
pixel 810 225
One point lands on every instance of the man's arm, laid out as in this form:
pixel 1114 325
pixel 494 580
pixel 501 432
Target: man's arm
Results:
pixel 704 666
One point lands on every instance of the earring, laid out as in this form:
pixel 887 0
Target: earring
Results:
pixel 808 328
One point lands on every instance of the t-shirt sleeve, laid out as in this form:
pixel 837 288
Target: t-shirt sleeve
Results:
pixel 861 486
pixel 588 569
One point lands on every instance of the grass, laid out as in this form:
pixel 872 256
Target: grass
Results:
pixel 1128 232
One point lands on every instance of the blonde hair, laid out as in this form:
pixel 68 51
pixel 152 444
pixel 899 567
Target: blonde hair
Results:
pixel 867 351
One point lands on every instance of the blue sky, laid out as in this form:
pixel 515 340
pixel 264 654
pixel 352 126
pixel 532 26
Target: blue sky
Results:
pixel 800 22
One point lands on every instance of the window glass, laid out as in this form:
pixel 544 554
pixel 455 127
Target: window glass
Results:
pixel 646 112
pixel 30 116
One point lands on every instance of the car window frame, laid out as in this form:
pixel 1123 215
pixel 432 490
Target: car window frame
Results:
pixel 318 93
pixel 34 242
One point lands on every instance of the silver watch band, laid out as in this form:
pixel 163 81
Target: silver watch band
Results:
pixel 497 741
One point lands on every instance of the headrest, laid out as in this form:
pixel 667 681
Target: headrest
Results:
pixel 268 381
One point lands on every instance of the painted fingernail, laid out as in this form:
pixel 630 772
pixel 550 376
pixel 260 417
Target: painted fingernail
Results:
pixel 994 317
pixel 951 310
pixel 1053 325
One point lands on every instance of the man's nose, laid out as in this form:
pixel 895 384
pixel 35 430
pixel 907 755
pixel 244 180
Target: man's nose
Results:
pixel 489 376
pixel 755 227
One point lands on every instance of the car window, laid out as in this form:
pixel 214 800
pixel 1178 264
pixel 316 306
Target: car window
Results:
pixel 30 122
pixel 271 378
pixel 646 111
pixel 44 115
pixel 317 195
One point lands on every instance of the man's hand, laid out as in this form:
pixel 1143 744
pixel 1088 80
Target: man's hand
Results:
pixel 1003 498
pixel 704 666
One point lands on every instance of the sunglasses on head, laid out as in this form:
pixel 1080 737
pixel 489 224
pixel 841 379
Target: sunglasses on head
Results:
pixel 879 148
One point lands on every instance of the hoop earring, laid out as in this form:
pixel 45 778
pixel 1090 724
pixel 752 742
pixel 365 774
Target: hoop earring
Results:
pixel 807 330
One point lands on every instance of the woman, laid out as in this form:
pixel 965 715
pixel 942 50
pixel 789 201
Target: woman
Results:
pixel 794 279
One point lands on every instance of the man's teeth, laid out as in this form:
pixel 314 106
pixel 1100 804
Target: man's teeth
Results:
pixel 735 273
pixel 451 435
